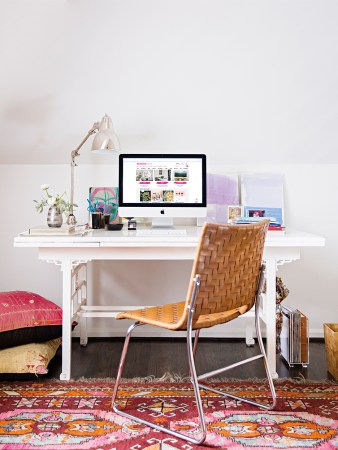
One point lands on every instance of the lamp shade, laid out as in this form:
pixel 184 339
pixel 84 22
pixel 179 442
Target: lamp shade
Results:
pixel 105 140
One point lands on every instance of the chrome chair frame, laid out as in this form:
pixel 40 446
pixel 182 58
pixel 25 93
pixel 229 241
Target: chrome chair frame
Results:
pixel 191 350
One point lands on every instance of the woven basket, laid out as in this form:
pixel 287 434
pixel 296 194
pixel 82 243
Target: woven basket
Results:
pixel 331 347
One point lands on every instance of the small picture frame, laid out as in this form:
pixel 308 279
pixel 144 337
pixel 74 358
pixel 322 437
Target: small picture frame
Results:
pixel 234 213
pixel 255 212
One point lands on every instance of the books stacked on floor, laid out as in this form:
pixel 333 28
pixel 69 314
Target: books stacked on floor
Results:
pixel 59 231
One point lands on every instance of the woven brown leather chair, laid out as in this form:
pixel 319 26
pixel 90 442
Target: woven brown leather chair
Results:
pixel 226 281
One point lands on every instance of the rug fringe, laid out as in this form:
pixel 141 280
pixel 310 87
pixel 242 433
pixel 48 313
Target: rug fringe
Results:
pixel 179 378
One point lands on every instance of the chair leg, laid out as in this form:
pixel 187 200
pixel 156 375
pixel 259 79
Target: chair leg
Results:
pixel 197 334
pixel 122 359
pixel 267 370
pixel 195 386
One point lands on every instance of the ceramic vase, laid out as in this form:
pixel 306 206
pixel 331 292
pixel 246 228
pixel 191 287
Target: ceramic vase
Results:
pixel 54 217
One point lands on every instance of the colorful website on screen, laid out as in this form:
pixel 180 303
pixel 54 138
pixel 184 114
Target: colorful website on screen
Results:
pixel 162 180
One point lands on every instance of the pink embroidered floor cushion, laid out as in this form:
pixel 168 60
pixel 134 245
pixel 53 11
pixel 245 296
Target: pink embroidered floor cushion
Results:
pixel 26 317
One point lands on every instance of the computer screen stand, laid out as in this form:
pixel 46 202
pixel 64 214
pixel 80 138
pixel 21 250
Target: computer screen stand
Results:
pixel 162 222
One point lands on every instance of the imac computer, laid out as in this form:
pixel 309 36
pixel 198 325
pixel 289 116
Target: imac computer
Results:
pixel 162 186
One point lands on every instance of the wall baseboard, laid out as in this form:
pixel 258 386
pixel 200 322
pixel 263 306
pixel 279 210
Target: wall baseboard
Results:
pixel 215 333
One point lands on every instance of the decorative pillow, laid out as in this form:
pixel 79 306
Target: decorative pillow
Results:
pixel 26 317
pixel 29 358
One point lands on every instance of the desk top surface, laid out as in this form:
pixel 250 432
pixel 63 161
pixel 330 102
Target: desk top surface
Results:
pixel 104 238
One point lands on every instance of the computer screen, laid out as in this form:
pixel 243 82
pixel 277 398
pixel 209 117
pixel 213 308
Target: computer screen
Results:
pixel 162 185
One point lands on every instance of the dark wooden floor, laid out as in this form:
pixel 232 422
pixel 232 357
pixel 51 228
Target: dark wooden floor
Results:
pixel 147 356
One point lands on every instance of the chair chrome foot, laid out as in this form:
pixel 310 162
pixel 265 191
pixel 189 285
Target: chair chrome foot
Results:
pixel 160 428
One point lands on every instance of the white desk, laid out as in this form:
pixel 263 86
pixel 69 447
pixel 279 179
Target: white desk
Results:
pixel 73 253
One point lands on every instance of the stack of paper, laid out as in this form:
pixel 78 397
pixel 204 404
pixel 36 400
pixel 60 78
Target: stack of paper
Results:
pixel 58 231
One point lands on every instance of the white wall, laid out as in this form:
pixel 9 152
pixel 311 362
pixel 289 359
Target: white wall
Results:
pixel 251 84
pixel 245 81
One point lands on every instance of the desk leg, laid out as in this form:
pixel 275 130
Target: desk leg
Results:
pixel 270 313
pixel 66 267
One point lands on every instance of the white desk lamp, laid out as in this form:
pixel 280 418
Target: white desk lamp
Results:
pixel 105 141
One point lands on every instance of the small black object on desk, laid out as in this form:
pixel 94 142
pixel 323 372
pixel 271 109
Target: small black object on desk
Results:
pixel 132 224
pixel 114 226
pixel 96 220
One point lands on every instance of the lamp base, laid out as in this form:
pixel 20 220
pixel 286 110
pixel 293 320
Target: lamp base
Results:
pixel 71 220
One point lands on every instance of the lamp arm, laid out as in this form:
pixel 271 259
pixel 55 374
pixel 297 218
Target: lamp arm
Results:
pixel 75 153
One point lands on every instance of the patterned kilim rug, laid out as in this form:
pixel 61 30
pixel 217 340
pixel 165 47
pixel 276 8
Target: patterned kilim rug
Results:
pixel 78 415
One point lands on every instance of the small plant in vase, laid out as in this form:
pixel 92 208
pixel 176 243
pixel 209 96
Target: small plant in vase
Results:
pixel 57 206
